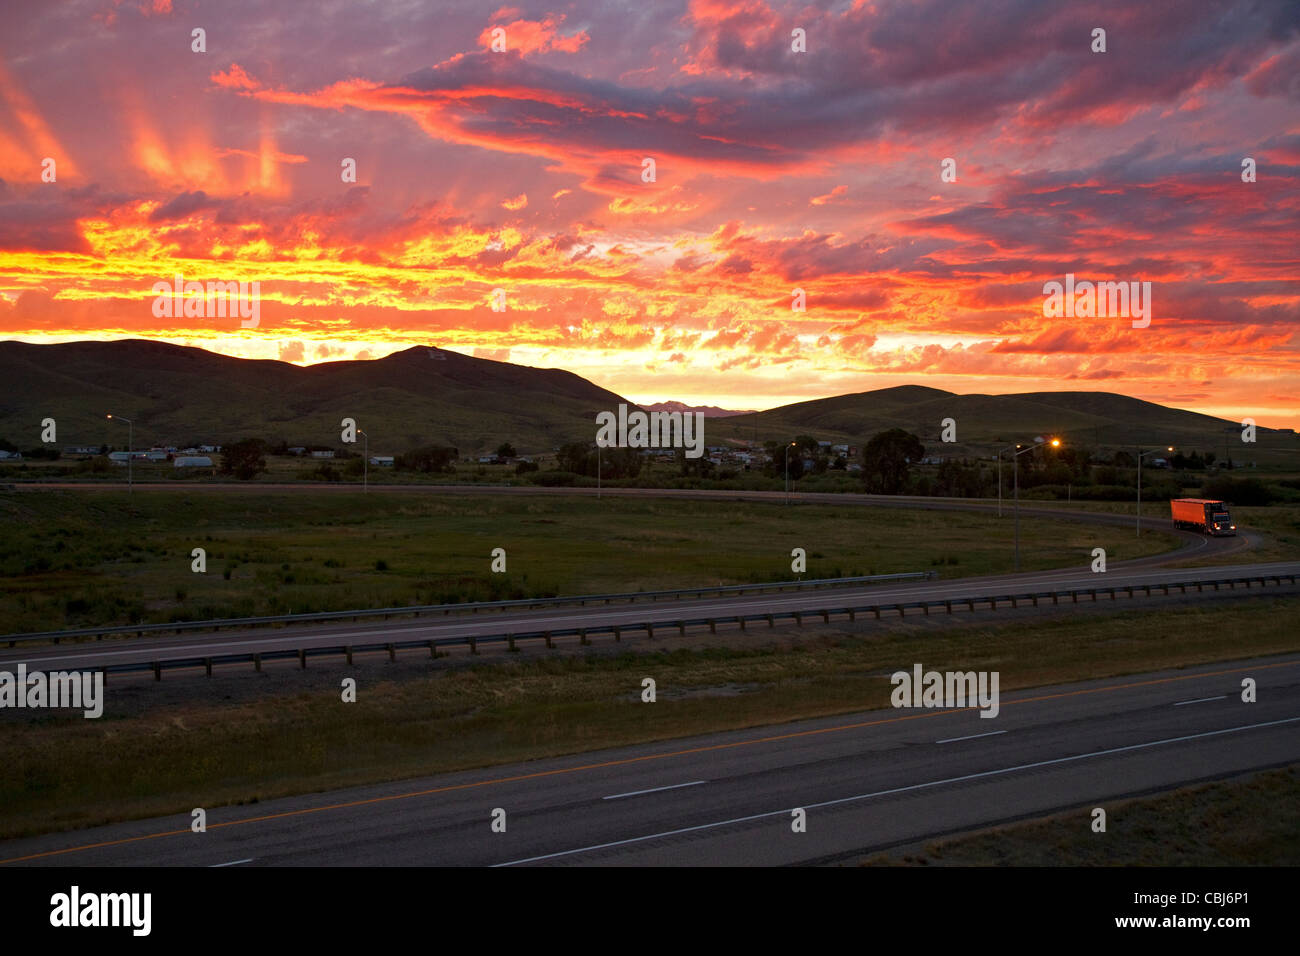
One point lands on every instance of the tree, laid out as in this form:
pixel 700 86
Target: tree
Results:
pixel 244 459
pixel 507 450
pixel 428 459
pixel 887 459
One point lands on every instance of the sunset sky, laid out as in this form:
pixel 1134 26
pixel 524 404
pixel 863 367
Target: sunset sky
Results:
pixel 775 170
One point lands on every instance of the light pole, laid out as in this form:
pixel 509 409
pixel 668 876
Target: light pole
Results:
pixel 999 457
pixel 1015 463
pixel 787 472
pixel 1142 454
pixel 365 461
pixel 597 471
pixel 130 442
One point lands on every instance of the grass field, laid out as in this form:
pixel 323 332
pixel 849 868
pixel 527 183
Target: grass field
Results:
pixel 82 558
pixel 241 737
pixel 1248 821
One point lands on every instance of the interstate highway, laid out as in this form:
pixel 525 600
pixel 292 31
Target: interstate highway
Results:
pixel 143 650
pixel 866 781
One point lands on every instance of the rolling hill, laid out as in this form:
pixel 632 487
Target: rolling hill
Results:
pixel 425 395
pixel 177 395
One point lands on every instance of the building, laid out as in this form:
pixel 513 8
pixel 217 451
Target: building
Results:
pixel 155 455
pixel 209 448
pixel 11 456
pixel 81 450
pixel 322 454
pixel 297 450
pixel 192 461
pixel 383 461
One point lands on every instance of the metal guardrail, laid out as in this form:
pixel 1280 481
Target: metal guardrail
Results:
pixel 473 607
pixel 681 624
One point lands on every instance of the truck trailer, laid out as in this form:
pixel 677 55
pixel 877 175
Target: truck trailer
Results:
pixel 1202 514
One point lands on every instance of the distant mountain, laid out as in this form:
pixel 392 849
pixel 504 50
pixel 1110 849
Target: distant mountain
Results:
pixel 425 395
pixel 1099 420
pixel 176 395
pixel 709 411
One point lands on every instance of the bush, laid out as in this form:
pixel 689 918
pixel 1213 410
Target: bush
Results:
pixel 1239 491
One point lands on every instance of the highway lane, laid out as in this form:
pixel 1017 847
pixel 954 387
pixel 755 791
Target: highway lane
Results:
pixel 866 781
pixel 93 654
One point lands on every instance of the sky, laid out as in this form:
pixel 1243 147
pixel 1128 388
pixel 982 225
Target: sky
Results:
pixel 913 177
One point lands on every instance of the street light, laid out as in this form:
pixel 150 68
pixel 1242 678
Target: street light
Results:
pixel 365 463
pixel 130 441
pixel 1142 454
pixel 1015 462
pixel 787 471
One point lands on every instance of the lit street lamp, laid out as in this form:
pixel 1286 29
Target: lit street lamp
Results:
pixel 130 442
pixel 787 471
pixel 1015 461
pixel 1142 454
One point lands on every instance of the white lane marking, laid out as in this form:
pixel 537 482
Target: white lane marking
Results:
pixel 1199 700
pixel 915 786
pixel 953 740
pixel 637 793
pixel 215 866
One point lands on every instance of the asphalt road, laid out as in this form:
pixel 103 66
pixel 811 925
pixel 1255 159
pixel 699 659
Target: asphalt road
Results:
pixel 866 781
pixel 97 654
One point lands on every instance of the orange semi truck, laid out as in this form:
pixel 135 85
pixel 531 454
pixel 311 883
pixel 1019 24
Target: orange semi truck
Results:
pixel 1202 514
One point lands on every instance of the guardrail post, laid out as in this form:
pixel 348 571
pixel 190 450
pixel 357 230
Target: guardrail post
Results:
pixel 798 618
pixel 582 636
pixel 901 611
pixel 681 628
pixel 971 602
pixel 650 631
pixel 433 649
pixel 348 650
pixel 302 658
pixel 948 605
pixel 157 670
pixel 549 642
pixel 1014 604
pixel 1056 598
pixel 1130 590
pixel 618 633
pixel 713 626
pixel 1093 591
pixel 993 604
pixel 510 642
pixel 207 666
pixel 473 645
pixel 1075 595
pixel 826 616
pixel 771 622
pixel 392 653
pixel 877 610
pixel 257 662
pixel 852 615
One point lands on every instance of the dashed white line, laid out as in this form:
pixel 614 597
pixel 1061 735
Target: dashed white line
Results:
pixel 915 786
pixel 215 866
pixel 1199 700
pixel 637 793
pixel 953 740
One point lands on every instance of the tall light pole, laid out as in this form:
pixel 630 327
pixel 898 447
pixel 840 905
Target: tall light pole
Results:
pixel 365 462
pixel 1142 454
pixel 597 471
pixel 1015 462
pixel 999 457
pixel 787 472
pixel 130 441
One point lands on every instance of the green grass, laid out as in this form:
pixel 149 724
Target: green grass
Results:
pixel 88 558
pixel 1242 822
pixel 242 737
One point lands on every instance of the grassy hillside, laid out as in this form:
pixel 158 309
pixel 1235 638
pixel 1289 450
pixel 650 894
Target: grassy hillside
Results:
pixel 177 395
pixel 1100 420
